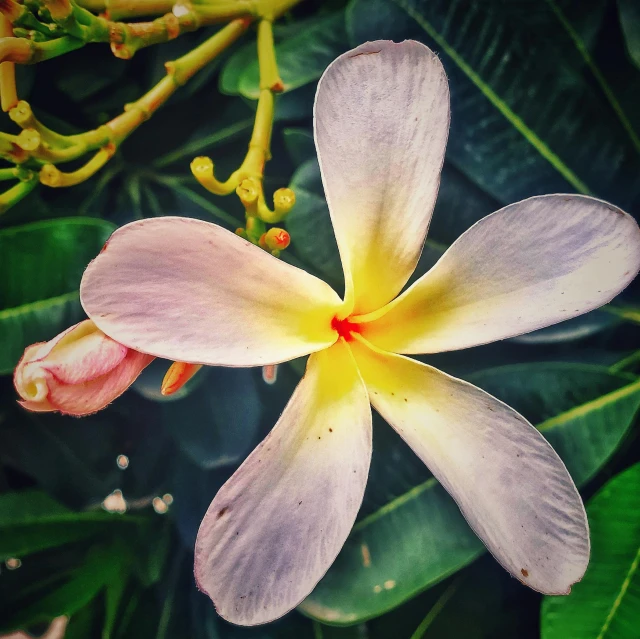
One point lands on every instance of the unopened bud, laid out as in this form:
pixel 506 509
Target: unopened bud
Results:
pixel 78 372
pixel 284 200
pixel 177 376
pixel 277 239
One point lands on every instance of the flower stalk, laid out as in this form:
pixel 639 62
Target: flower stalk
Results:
pixel 247 180
pixel 43 29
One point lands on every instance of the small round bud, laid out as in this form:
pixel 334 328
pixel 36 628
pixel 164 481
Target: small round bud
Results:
pixel 277 239
pixel 284 200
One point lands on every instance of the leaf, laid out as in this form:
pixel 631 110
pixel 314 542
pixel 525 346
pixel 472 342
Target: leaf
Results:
pixel 218 423
pixel 584 411
pixel 524 121
pixel 30 521
pixel 102 566
pixel 312 237
pixel 606 603
pixel 301 58
pixel 300 145
pixel 574 329
pixel 630 20
pixel 44 262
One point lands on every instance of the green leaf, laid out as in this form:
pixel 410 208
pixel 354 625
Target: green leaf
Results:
pixel 300 145
pixel 301 58
pixel 525 121
pixel 312 237
pixel 574 329
pixel 43 264
pixel 584 411
pixel 606 603
pixel 103 566
pixel 630 20
pixel 208 425
pixel 30 521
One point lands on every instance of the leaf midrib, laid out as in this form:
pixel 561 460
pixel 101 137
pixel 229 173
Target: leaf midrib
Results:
pixel 38 305
pixel 621 593
pixel 495 99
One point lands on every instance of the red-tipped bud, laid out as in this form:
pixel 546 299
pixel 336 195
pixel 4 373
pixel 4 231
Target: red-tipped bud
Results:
pixel 276 239
pixel 78 372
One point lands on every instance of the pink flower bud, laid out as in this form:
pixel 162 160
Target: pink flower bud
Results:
pixel 78 372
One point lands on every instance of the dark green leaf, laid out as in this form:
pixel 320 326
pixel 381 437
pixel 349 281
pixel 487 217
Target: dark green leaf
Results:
pixel 208 426
pixel 102 566
pixel 524 122
pixel 630 19
pixel 30 521
pixel 299 143
pixel 44 262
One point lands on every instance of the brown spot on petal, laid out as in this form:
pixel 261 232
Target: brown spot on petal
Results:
pixel 525 573
pixel 222 511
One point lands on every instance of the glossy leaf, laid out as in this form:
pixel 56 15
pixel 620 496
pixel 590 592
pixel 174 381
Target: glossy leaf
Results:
pixel 30 521
pixel 44 261
pixel 606 603
pixel 300 145
pixel 102 567
pixel 630 20
pixel 584 411
pixel 524 121
pixel 217 424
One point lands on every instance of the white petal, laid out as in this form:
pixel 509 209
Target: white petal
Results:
pixel 191 291
pixel 509 483
pixel 276 526
pixel 381 125
pixel 527 266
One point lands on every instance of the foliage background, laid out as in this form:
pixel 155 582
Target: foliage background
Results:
pixel 545 98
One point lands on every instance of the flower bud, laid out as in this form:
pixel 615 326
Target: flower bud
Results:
pixel 78 372
pixel 277 239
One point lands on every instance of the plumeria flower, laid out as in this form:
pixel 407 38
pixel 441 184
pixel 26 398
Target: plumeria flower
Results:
pixel 191 291
pixel 78 372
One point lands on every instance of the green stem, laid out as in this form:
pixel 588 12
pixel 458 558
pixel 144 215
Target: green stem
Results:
pixel 12 196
